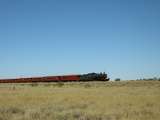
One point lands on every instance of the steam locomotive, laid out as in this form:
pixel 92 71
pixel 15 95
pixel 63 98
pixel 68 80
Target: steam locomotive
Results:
pixel 63 78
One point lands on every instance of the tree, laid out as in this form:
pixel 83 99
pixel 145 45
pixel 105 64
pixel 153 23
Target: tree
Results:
pixel 117 79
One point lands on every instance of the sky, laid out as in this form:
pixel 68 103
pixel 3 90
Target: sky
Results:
pixel 56 37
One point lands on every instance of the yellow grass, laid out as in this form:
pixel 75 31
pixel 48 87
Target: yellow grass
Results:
pixel 134 100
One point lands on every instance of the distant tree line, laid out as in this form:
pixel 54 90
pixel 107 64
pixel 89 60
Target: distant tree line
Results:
pixel 154 78
pixel 146 79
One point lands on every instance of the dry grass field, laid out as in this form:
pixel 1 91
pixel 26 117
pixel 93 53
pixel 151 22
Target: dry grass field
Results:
pixel 124 100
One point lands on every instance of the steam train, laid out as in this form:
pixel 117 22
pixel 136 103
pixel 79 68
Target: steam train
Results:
pixel 63 78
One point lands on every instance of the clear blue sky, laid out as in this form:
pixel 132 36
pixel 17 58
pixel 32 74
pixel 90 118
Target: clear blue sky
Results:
pixel 52 37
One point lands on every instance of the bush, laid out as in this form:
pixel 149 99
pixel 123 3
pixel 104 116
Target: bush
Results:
pixel 87 85
pixel 34 84
pixel 60 84
pixel 117 79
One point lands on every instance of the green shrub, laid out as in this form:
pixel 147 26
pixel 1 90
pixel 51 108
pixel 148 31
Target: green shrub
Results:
pixel 117 79
pixel 34 84
pixel 60 84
